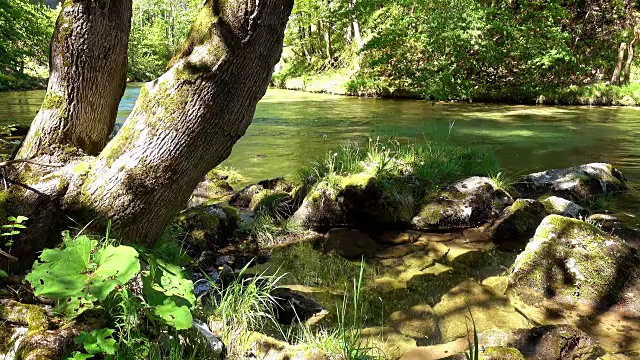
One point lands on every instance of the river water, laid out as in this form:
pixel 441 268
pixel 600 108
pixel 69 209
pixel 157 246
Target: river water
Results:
pixel 290 129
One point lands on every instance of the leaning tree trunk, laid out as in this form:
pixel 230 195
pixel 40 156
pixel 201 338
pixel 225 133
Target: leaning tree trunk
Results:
pixel 183 125
pixel 615 79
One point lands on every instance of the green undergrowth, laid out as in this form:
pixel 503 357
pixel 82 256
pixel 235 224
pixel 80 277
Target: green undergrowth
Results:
pixel 140 298
pixel 431 163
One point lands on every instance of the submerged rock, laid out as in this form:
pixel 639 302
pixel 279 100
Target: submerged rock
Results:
pixel 580 183
pixel 208 226
pixel 573 263
pixel 554 205
pixel 467 203
pixel 517 224
pixel 294 307
pixel 418 321
pixel 489 310
pixel 349 243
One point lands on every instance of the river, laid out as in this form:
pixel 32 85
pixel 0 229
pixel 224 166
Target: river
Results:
pixel 291 129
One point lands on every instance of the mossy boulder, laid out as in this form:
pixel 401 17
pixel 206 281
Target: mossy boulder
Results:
pixel 467 203
pixel 517 224
pixel 359 200
pixel 244 197
pixel 554 205
pixel 210 191
pixel 562 342
pixel 574 263
pixel 208 227
pixel 580 183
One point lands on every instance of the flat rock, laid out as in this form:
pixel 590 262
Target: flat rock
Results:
pixel 488 309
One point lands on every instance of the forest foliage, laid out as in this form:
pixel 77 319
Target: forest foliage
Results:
pixel 461 49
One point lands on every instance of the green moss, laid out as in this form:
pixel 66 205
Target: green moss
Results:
pixel 501 353
pixel 54 101
pixel 31 315
pixel 357 180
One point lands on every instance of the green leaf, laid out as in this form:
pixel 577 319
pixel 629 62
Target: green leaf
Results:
pixel 78 277
pixel 21 219
pixel 169 293
pixel 3 274
pixel 98 341
pixel 79 356
pixel 12 218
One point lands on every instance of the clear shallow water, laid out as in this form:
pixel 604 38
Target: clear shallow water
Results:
pixel 290 129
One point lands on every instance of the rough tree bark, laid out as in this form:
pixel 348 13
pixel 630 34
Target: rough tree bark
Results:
pixel 615 78
pixel 88 67
pixel 183 125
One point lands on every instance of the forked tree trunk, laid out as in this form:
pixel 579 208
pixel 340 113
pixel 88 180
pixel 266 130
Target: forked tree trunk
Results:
pixel 615 78
pixel 183 125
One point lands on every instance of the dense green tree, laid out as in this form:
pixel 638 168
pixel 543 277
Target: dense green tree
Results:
pixel 462 48
pixel 158 28
pixel 25 28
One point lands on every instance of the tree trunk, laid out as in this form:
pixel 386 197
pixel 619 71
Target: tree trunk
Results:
pixel 88 77
pixel 327 42
pixel 355 24
pixel 630 55
pixel 615 79
pixel 182 126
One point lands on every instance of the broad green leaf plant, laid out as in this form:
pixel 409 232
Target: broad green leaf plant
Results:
pixel 84 273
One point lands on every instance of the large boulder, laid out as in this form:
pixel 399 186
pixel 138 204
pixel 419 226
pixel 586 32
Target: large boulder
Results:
pixel 359 200
pixel 208 227
pixel 517 224
pixel 573 264
pixel 580 183
pixel 467 203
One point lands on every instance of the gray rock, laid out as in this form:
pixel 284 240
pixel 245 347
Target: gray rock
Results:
pixel 214 344
pixel 554 205
pixel 467 203
pixel 580 183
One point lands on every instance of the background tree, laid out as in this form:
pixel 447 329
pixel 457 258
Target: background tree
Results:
pixel 183 125
pixel 25 28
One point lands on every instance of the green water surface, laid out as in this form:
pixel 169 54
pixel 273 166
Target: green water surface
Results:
pixel 291 129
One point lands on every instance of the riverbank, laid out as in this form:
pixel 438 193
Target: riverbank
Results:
pixel 14 82
pixel 346 82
